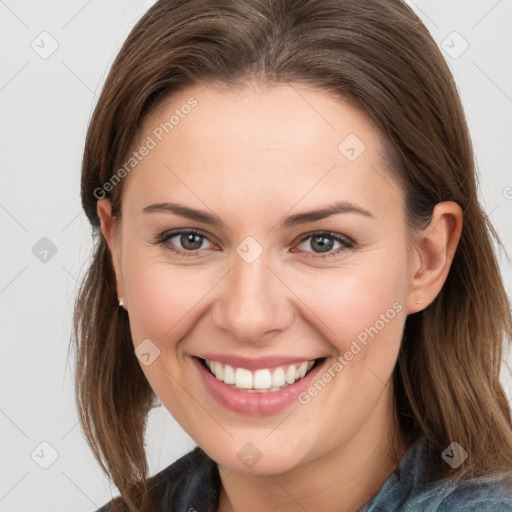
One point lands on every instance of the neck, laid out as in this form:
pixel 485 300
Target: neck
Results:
pixel 345 479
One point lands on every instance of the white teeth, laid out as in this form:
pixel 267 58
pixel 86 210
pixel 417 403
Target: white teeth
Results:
pixel 291 374
pixel 218 370
pixel 303 368
pixel 260 381
pixel 229 374
pixel 278 378
pixel 243 378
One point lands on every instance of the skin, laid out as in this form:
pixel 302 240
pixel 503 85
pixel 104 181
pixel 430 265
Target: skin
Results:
pixel 253 155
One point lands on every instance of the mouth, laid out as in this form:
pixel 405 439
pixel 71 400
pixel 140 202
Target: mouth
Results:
pixel 261 391
pixel 263 380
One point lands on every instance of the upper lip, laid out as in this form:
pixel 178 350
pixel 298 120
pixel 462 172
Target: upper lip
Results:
pixel 255 363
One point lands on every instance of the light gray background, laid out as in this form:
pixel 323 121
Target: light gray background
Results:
pixel 46 105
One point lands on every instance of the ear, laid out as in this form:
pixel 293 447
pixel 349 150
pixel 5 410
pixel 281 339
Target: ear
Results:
pixel 112 236
pixel 432 255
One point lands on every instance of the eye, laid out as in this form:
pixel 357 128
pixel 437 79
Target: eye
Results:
pixel 188 242
pixel 323 243
pixel 185 242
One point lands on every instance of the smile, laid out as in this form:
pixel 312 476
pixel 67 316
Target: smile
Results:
pixel 269 387
pixel 263 380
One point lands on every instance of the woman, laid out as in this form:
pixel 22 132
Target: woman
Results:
pixel 291 257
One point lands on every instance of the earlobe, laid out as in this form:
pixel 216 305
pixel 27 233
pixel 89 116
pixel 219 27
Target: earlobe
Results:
pixel 434 249
pixel 108 229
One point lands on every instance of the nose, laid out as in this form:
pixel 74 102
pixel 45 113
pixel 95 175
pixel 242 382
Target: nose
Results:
pixel 254 304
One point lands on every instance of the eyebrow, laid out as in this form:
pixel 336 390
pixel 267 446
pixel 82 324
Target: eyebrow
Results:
pixel 288 222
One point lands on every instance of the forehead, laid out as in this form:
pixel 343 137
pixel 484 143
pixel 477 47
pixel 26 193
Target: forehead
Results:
pixel 286 141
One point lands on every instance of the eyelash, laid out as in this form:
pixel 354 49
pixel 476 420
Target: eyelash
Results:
pixel 165 237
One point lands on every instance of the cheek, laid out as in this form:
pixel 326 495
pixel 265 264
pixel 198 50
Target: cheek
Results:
pixel 162 299
pixel 164 302
pixel 358 302
pixel 360 312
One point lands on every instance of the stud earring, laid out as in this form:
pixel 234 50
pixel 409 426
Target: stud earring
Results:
pixel 418 302
pixel 121 302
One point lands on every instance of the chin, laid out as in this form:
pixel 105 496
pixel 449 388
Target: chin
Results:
pixel 258 458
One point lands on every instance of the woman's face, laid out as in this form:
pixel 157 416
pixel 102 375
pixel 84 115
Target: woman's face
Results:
pixel 265 288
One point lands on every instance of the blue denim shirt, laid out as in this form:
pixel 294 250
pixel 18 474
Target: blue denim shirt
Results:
pixel 192 484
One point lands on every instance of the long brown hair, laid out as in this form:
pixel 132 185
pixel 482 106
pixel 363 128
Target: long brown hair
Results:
pixel 379 56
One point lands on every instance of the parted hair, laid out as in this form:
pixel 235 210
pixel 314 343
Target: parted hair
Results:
pixel 378 56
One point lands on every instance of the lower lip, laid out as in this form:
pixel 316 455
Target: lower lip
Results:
pixel 255 404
